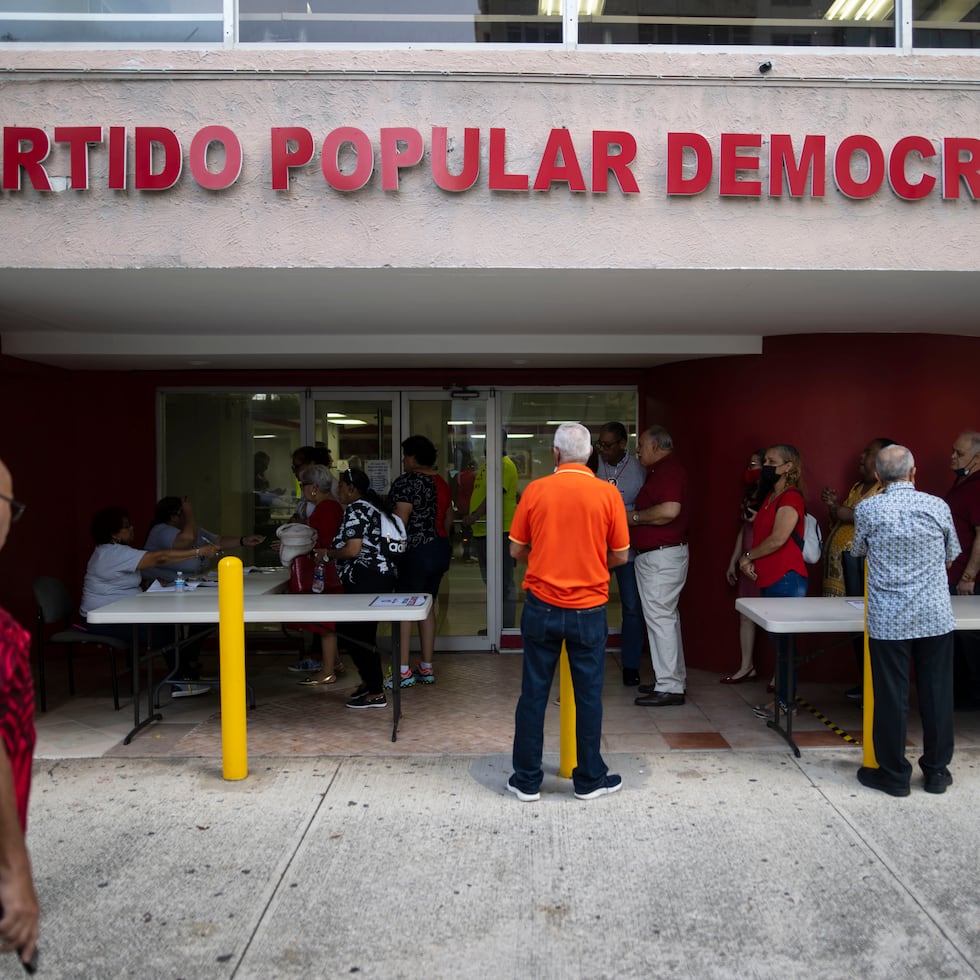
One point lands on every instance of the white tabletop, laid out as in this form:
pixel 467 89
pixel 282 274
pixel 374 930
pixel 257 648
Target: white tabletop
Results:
pixel 201 606
pixel 817 615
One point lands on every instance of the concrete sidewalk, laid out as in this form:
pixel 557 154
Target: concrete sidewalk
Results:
pixel 706 865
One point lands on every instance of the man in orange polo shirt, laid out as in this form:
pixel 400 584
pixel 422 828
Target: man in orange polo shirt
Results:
pixel 571 529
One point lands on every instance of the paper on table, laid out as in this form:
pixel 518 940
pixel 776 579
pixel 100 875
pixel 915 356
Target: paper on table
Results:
pixel 856 603
pixel 398 600
pixel 155 586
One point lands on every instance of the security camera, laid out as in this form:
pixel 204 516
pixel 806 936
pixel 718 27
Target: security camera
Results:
pixel 765 68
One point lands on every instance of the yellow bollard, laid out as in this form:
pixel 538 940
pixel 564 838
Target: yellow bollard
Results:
pixel 567 746
pixel 870 759
pixel 231 636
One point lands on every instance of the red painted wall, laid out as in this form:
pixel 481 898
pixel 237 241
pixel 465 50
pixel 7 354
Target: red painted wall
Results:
pixel 77 440
pixel 827 395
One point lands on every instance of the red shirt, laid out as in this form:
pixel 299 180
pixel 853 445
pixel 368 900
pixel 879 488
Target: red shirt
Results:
pixel 666 482
pixel 789 558
pixel 963 498
pixel 17 707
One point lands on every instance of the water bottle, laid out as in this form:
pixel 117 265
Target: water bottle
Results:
pixel 318 576
pixel 179 584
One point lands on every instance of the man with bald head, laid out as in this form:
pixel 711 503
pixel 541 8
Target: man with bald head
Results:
pixel 963 498
pixel 910 541
pixel 19 911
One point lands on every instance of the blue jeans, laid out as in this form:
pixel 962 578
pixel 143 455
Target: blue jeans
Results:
pixel 583 631
pixel 791 586
pixel 631 634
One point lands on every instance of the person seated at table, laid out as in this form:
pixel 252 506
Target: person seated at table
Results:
pixel 364 569
pixel 316 482
pixel 175 526
pixel 115 572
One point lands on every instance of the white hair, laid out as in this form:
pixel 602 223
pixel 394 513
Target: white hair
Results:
pixel 573 442
pixel 893 463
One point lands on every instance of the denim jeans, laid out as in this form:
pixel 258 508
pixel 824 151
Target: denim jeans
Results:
pixel 791 586
pixel 631 633
pixel 583 631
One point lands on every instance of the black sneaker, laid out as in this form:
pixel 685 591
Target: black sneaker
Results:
pixel 612 784
pixel 631 677
pixel 855 694
pixel 936 782
pixel 368 701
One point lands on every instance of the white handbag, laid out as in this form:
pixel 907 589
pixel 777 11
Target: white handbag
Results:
pixel 297 539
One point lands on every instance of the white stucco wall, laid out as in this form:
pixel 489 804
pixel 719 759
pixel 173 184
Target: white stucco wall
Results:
pixel 529 93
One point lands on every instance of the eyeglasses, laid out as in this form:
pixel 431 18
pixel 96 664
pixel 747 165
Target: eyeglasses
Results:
pixel 16 508
pixel 608 445
pixel 306 483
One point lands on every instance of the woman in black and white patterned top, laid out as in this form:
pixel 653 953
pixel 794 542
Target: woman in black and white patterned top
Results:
pixel 363 568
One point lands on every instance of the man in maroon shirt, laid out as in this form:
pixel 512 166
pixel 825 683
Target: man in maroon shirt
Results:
pixel 19 910
pixel 658 528
pixel 963 498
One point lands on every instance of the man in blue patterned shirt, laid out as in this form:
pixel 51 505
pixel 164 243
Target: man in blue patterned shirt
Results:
pixel 909 539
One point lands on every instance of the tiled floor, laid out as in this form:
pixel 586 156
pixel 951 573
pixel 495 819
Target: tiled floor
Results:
pixel 470 709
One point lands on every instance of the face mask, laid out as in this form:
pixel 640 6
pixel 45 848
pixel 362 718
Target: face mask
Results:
pixel 768 475
pixel 752 474
pixel 963 470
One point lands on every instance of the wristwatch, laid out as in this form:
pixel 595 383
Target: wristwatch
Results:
pixel 636 519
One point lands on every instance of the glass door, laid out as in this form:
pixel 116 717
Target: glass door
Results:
pixel 457 427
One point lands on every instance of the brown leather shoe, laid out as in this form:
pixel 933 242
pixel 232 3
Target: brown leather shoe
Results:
pixel 659 699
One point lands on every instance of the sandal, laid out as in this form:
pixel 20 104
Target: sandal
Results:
pixel 317 681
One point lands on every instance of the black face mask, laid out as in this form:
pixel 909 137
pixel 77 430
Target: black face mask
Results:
pixel 767 480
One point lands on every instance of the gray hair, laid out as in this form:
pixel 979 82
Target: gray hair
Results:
pixel 573 442
pixel 660 436
pixel 894 463
pixel 974 438
pixel 319 476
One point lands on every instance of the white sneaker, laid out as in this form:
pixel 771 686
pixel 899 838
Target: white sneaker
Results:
pixel 188 690
pixel 521 795
pixel 613 784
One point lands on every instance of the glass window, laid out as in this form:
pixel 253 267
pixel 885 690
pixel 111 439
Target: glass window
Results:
pixel 946 24
pixel 118 22
pixel 743 22
pixel 398 22
pixel 230 453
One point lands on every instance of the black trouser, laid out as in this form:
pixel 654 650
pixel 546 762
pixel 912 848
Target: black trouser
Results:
pixel 933 659
pixel 363 636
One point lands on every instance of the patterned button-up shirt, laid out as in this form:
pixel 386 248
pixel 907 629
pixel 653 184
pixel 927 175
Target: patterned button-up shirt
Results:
pixel 908 537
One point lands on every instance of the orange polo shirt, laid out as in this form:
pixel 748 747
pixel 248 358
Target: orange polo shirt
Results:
pixel 570 519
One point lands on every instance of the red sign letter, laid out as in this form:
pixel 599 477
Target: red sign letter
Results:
pixel 499 179
pixel 283 158
pixel 961 158
pixel 813 160
pixel 730 163
pixel 146 138
pixel 78 138
pixel 550 170
pixel 605 162
pixel 440 160
pixel 16 155
pixel 329 160
pixel 896 168
pixel 846 184
pixel 677 183
pixel 199 157
pixel 393 158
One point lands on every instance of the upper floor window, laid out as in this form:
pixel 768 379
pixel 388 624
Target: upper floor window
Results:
pixel 449 23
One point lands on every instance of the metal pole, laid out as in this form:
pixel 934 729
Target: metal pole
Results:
pixel 231 632
pixel 568 748
pixel 868 745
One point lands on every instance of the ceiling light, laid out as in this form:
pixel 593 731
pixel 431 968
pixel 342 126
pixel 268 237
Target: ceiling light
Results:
pixel 586 8
pixel 460 423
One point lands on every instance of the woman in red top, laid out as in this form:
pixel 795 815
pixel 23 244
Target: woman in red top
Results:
pixel 775 560
pixel 325 519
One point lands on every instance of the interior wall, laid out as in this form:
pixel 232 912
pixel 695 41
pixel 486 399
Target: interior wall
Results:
pixel 827 395
pixel 76 441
